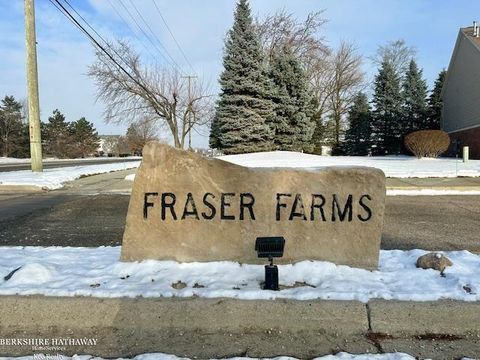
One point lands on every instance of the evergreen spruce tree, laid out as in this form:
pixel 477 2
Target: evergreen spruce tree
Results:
pixel 435 103
pixel 85 138
pixel 357 137
pixel 214 138
pixel 22 145
pixel 387 116
pixel 414 92
pixel 292 123
pixel 244 109
pixel 10 125
pixel 57 136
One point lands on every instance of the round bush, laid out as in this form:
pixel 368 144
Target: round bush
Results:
pixel 427 143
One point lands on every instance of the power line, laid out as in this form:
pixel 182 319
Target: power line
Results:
pixel 141 29
pixel 152 32
pixel 172 63
pixel 96 32
pixel 132 31
pixel 70 17
pixel 173 37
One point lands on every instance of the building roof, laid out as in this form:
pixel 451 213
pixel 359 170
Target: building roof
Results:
pixel 468 32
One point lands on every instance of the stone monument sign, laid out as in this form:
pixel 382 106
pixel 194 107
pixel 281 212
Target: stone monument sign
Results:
pixel 187 207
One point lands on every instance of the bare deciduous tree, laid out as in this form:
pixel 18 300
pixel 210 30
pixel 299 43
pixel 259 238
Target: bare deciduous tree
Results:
pixel 397 53
pixel 307 42
pixel 161 95
pixel 335 76
pixel 322 78
pixel 303 38
pixel 347 81
pixel 140 132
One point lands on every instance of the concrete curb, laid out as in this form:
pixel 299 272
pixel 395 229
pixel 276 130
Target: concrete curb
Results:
pixel 193 327
pixel 445 329
pixel 21 188
pixel 411 318
pixel 215 328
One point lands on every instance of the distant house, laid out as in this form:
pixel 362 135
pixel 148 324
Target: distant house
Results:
pixel 112 145
pixel 461 92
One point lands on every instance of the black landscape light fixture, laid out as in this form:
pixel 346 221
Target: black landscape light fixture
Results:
pixel 270 247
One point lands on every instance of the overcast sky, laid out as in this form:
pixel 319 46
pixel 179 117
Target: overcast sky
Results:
pixel 200 27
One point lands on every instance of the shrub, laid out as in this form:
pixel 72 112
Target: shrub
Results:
pixel 427 143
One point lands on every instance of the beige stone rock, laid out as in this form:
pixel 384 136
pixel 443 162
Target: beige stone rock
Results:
pixel 434 261
pixel 187 207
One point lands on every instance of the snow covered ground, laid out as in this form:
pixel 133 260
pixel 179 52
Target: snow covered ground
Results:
pixel 58 271
pixel 8 160
pixel 55 178
pixel 392 166
pixel 430 192
pixel 401 192
pixel 159 356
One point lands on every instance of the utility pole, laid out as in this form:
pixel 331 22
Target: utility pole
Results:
pixel 32 88
pixel 189 78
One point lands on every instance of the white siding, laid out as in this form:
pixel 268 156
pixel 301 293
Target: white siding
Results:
pixel 461 94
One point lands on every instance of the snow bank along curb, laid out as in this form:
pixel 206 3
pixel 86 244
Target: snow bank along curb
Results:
pixel 97 272
pixel 191 327
pixel 55 178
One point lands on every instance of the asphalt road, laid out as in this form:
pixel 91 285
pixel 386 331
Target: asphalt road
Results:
pixel 72 218
pixel 57 164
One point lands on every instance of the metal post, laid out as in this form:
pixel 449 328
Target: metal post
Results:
pixel 32 88
pixel 465 154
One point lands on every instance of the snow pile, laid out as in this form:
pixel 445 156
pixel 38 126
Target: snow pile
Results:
pixel 160 356
pixel 392 166
pixel 55 178
pixel 57 271
pixel 32 274
pixel 130 177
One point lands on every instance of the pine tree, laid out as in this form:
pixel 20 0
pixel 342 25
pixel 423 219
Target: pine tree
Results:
pixel 414 92
pixel 214 139
pixel 435 103
pixel 10 125
pixel 85 138
pixel 57 136
pixel 21 148
pixel 357 137
pixel 244 109
pixel 292 123
pixel 387 116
